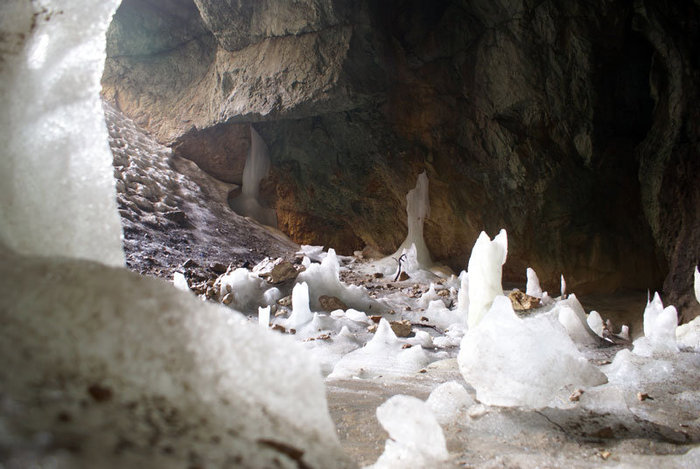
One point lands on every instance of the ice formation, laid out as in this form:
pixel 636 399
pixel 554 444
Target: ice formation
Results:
pixel 257 165
pixel 532 287
pixel 246 288
pixel 485 269
pixel 523 362
pixel 264 316
pixel 697 284
pixel 688 334
pixel 384 355
pixel 143 375
pixel 324 279
pixel 595 322
pixel 301 313
pixel 572 316
pixel 415 439
pixel 180 282
pixel 441 316
pixel 55 163
pixel 463 295
pixel 562 286
pixel 659 329
pixel 448 401
pixel 417 210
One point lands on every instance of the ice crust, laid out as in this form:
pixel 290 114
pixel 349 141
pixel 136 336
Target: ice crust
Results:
pixel 485 269
pixel 146 343
pixel 416 438
pixel 257 165
pixel 56 184
pixel 381 356
pixel 523 362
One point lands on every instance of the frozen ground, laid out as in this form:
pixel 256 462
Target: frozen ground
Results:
pixel 382 336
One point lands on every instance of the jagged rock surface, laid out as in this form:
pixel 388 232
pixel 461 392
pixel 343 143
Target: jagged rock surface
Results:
pixel 571 125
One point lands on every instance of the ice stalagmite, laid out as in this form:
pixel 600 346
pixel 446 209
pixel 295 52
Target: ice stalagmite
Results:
pixel 659 329
pixel 417 210
pixel 533 284
pixel 697 284
pixel 301 313
pixel 485 269
pixel 257 165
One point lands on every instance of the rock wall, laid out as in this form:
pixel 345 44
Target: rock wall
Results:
pixel 570 125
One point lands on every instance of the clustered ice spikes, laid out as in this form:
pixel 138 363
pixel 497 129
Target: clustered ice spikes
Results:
pixel 485 270
pixel 659 329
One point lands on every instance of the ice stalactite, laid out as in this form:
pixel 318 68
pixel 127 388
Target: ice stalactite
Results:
pixel 417 210
pixel 485 270
pixel 257 165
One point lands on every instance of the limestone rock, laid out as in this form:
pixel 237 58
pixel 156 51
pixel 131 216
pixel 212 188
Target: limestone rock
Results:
pixel 331 303
pixel 522 301
pixel 401 328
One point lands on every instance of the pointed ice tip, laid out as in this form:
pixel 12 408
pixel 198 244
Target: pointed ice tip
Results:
pixel 562 284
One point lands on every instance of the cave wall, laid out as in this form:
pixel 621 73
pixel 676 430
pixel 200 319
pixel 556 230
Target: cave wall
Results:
pixel 570 125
